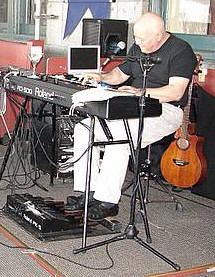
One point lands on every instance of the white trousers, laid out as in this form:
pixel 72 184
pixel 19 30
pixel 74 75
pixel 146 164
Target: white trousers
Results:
pixel 107 179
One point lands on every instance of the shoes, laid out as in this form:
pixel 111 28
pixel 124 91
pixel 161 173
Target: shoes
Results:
pixel 98 211
pixel 76 203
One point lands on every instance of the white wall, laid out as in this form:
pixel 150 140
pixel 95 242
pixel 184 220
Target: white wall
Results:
pixel 121 9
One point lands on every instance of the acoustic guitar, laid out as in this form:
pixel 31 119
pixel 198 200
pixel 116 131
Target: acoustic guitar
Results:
pixel 183 163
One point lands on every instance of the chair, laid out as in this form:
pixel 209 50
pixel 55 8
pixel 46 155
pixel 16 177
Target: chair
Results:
pixel 150 171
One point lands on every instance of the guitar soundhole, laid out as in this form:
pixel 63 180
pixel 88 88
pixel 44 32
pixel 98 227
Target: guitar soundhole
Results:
pixel 182 143
pixel 180 162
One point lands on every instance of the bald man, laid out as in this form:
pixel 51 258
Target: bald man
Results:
pixel 167 81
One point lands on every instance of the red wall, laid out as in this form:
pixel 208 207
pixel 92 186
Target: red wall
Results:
pixel 58 65
pixel 16 54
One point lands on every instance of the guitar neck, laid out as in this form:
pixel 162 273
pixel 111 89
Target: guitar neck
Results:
pixel 186 115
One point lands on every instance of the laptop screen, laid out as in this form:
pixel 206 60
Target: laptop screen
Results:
pixel 84 58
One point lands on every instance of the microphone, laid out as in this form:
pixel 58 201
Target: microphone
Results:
pixel 120 46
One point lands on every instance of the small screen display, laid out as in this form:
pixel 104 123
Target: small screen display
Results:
pixel 85 58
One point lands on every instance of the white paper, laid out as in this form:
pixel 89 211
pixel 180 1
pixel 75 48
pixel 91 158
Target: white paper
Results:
pixel 96 94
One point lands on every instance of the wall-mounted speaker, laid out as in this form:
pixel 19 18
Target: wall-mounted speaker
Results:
pixel 106 33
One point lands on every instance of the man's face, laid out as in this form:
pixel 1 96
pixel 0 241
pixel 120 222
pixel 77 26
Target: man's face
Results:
pixel 148 42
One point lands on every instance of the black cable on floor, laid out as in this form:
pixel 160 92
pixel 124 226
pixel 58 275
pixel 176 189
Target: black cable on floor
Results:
pixel 64 258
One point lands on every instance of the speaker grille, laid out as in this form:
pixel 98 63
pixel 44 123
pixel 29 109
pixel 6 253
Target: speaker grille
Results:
pixel 106 33
pixel 91 33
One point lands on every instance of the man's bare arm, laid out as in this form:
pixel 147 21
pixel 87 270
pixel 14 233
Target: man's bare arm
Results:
pixel 113 77
pixel 171 92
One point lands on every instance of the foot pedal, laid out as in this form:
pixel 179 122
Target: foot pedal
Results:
pixel 111 224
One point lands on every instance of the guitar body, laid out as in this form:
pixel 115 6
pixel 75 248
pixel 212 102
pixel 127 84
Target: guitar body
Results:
pixel 183 163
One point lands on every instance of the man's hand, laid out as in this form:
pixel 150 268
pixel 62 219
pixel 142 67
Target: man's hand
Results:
pixel 90 78
pixel 131 89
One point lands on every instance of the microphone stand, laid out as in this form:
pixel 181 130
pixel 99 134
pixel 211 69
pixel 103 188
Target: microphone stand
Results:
pixel 131 231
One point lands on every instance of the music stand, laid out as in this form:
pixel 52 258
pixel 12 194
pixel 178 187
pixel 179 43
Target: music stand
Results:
pixel 131 231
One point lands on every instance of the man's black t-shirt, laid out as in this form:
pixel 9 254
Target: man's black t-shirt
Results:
pixel 177 59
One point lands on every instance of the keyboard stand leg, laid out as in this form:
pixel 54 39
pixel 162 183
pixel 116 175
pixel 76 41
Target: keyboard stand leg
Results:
pixel 55 145
pixel 88 176
pixel 91 144
pixel 13 136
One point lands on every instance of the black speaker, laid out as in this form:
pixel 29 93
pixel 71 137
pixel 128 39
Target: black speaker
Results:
pixel 45 141
pixel 106 33
pixel 205 127
pixel 52 130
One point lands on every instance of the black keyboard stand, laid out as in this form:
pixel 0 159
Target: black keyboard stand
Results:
pixel 92 144
pixel 131 231
pixel 14 135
